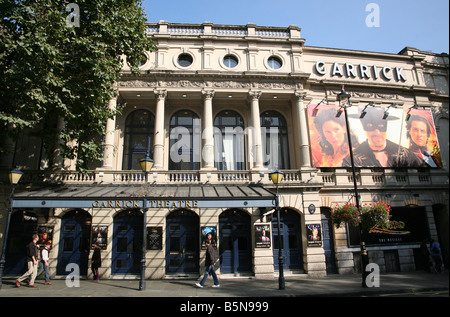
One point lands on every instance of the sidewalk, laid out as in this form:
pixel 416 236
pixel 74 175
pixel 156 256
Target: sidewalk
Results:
pixel 333 285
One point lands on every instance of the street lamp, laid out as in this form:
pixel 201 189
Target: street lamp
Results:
pixel 344 102
pixel 276 178
pixel 14 178
pixel 146 166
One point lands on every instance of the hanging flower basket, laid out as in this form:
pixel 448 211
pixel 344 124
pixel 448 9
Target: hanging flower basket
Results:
pixel 347 213
pixel 370 216
pixel 375 216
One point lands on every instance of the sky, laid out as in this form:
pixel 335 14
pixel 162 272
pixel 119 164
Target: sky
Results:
pixel 385 26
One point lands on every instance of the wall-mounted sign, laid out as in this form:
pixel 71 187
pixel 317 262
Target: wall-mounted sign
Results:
pixel 209 233
pixel 154 238
pixel 262 236
pixel 381 137
pixel 314 235
pixel 361 71
pixel 99 236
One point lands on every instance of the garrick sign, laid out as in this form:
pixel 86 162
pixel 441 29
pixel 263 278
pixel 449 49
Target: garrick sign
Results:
pixel 139 203
pixel 361 71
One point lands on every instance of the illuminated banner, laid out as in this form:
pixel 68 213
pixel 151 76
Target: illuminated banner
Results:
pixel 381 137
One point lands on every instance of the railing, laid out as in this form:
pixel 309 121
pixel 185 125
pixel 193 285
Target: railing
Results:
pixel 308 177
pixel 209 29
pixel 229 31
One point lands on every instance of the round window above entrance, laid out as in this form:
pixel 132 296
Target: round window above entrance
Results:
pixel 138 62
pixel 185 60
pixel 230 61
pixel 274 62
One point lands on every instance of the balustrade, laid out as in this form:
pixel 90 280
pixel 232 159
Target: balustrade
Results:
pixel 208 28
pixel 329 178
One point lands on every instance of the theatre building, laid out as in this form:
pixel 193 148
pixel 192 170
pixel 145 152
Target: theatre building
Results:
pixel 219 107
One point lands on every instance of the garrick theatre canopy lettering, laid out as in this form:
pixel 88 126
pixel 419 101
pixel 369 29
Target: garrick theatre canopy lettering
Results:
pixel 150 204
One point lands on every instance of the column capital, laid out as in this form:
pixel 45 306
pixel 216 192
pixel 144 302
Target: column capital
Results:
pixel 208 93
pixel 254 95
pixel 301 95
pixel 160 93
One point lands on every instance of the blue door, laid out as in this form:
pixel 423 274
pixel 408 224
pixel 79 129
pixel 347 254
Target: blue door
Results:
pixel 21 229
pixel 74 243
pixel 290 239
pixel 235 249
pixel 182 242
pixel 328 241
pixel 127 242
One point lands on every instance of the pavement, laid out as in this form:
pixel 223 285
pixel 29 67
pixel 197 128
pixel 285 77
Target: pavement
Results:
pixel 244 288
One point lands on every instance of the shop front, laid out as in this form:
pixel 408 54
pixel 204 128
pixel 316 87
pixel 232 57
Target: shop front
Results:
pixel 177 219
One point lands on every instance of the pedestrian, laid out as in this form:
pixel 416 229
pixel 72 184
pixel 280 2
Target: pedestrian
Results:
pixel 209 263
pixel 32 256
pixel 436 255
pixel 96 262
pixel 426 255
pixel 43 264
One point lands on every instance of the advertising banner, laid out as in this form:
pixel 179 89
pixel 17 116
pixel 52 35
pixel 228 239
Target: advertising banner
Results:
pixel 381 137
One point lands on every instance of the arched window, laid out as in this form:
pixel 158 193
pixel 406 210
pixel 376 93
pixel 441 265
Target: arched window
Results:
pixel 138 139
pixel 229 144
pixel 274 128
pixel 184 141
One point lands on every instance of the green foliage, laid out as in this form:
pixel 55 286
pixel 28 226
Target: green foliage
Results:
pixel 375 216
pixel 368 216
pixel 51 70
pixel 347 213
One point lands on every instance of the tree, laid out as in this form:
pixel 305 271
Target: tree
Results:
pixel 52 67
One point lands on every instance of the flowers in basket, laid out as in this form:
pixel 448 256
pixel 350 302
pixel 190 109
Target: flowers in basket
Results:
pixel 369 216
pixel 375 216
pixel 347 213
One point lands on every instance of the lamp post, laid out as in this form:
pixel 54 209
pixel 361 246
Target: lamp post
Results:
pixel 146 166
pixel 344 102
pixel 14 178
pixel 276 178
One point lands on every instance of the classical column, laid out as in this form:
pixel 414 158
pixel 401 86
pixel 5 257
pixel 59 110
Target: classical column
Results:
pixel 158 153
pixel 108 151
pixel 303 129
pixel 256 122
pixel 208 130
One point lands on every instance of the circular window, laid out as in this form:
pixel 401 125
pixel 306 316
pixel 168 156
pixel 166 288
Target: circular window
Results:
pixel 274 62
pixel 138 62
pixel 230 61
pixel 185 60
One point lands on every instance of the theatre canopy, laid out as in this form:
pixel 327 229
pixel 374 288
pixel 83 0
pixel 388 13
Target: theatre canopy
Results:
pixel 150 196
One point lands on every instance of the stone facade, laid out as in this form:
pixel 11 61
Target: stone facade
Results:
pixel 208 70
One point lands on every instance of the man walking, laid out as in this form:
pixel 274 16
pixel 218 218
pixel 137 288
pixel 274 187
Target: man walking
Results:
pixel 32 254
pixel 209 263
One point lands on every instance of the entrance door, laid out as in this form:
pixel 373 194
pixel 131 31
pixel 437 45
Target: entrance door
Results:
pixel 182 242
pixel 74 242
pixel 235 249
pixel 127 243
pixel 328 241
pixel 290 239
pixel 22 227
